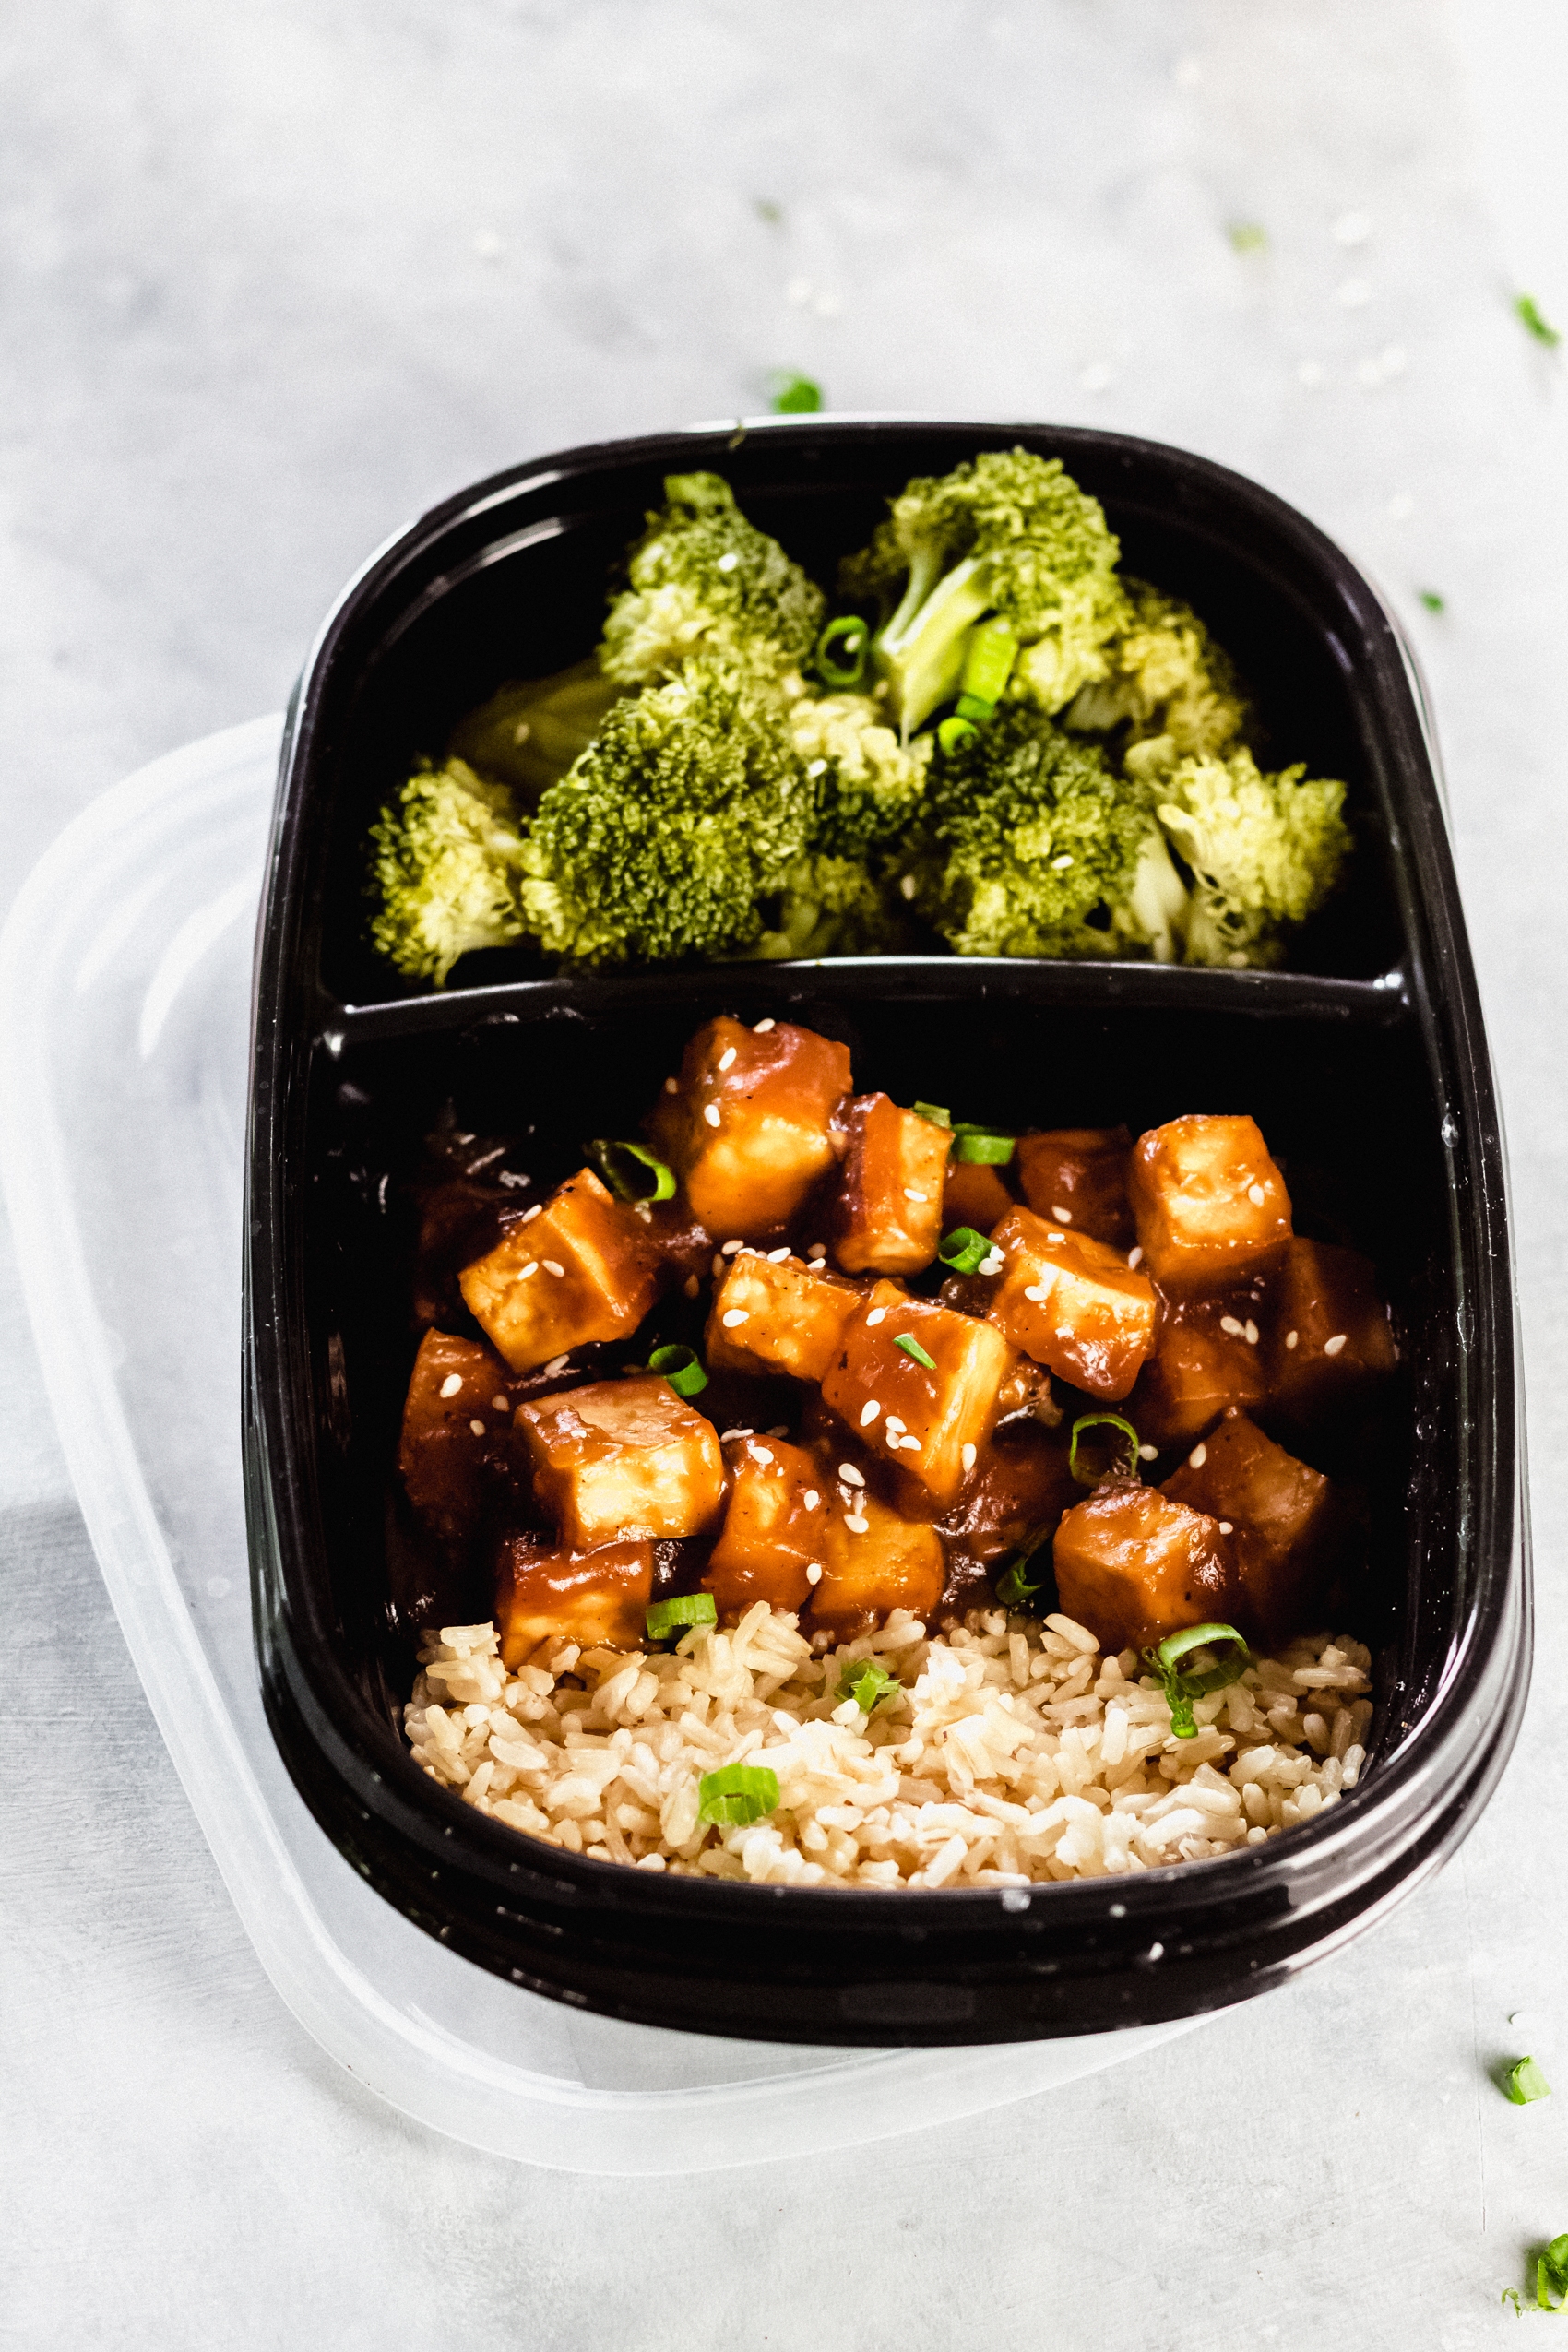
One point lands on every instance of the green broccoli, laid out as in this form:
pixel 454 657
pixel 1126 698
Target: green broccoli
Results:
pixel 1168 683
pixel 832 906
pixel 531 730
pixel 1031 846
pixel 689 808
pixel 1010 533
pixel 1264 851
pixel 703 580
pixel 446 865
pixel 870 785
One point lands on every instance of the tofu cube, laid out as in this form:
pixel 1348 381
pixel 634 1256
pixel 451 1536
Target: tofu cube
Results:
pixel 1074 1305
pixel 622 1461
pixel 1329 1336
pixel 1285 1520
pixel 975 1195
pixel 1198 1370
pixel 549 1594
pixel 749 1128
pixel 1211 1206
pixel 1133 1565
pixel 887 1219
pixel 875 1561
pixel 784 1318
pixel 1077 1177
pixel 1022 1484
pixel 456 1429
pixel 584 1267
pixel 774 1530
pixel 931 1422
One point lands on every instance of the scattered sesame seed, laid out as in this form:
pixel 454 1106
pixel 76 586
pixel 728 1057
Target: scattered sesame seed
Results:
pixel 816 767
pixel 530 1213
pixel 1251 1333
pixel 1257 1194
pixel 710 1112
pixel 672 1086
pixel 734 1317
pixel 1147 1453
pixel 810 1498
pixel 554 1267
pixel 814 1573
pixel 1228 1325
pixel 911 1193
pixel 730 1249
pixel 1038 1292
pixel 556 1364
pixel 869 1412
pixel 907 886
pixel 692 1285
pixel 1227 1528
pixel 478 1428
pixel 1136 1258
pixel 1061 865
pixel 642 1210
pixel 718 1264
pixel 967 1457
pixel 500 1404
pixel 1332 1346
pixel 1054 1241
pixel 910 1445
pixel 993 1265
pixel 761 1453
pixel 728 1433
pixel 532 1267
pixel 728 561
pixel 1063 1215
pixel 779 1429
pixel 762 1028
pixel 725 1059
pixel 856 1525
pixel 452 1384
pixel 851 1476
pixel 877 1315
pixel 896 1424
pixel 1292 1338
pixel 776 1257
pixel 1198 1456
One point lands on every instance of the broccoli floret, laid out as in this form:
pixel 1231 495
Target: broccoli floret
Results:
pixel 1168 682
pixel 1010 533
pixel 703 580
pixel 868 785
pixel 1265 851
pixel 833 906
pixel 1030 845
pixel 688 808
pixel 531 730
pixel 446 865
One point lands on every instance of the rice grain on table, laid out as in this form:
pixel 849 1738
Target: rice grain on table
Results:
pixel 1013 1752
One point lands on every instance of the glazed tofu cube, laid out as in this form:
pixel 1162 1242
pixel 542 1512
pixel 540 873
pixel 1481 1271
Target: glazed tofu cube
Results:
pixel 875 1561
pixel 1074 1305
pixel 1077 1177
pixel 1329 1337
pixel 975 1196
pixel 1199 1370
pixel 749 1128
pixel 784 1318
pixel 1282 1518
pixel 1022 1483
pixel 583 1268
pixel 774 1530
pixel 887 1219
pixel 1211 1206
pixel 547 1594
pixel 931 1419
pixel 622 1460
pixel 1133 1564
pixel 457 1426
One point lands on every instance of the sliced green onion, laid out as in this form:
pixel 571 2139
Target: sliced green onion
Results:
pixel 912 1347
pixel 680 1367
pixel 1526 2083
pixel 841 651
pixel 736 1794
pixel 1552 2275
pixel 795 396
pixel 1095 1420
pixel 626 1169
pixel 988 665
pixel 865 1680
pixel 1013 1588
pixel 1433 603
pixel 1181 1689
pixel 667 1617
pixel 1529 311
pixel 975 707
pixel 953 733
pixel 983 1146
pixel 935 1112
pixel 964 1250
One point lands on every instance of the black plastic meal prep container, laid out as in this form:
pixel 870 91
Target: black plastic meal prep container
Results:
pixel 1366 1065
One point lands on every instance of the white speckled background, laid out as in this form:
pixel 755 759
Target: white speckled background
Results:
pixel 275 276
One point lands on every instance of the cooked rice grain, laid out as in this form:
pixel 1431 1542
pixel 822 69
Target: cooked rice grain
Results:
pixel 1014 1753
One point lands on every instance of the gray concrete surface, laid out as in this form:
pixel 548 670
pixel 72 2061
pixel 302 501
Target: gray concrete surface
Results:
pixel 275 277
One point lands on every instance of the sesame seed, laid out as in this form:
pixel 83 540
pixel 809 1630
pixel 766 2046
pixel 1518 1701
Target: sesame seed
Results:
pixel 910 1445
pixel 1198 1456
pixel 814 1573
pixel 991 1265
pixel 1292 1338
pixel 727 562
pixel 710 1112
pixel 725 1059
pixel 967 1457
pixel 1054 1241
pixel 896 1424
pixel 1136 1258
pixel 1147 1453
pixel 718 1264
pixel 810 1498
pixel 556 1364
pixel 1332 1346
pixel 734 1317
pixel 877 1315
pixel 1059 865
pixel 532 1267
pixel 478 1428
pixel 1227 1528
pixel 761 1453
pixel 762 1028
pixel 729 1249
pixel 907 886
pixel 692 1285
pixel 728 1433
pixel 554 1267
pixel 869 1412
pixel 816 767
pixel 1257 1194
pixel 500 1404
pixel 1038 1292
pixel 856 1525
pixel 1228 1325
pixel 452 1384
pixel 1251 1333
pixel 776 1257
pixel 913 1194
pixel 851 1476
pixel 672 1086
pixel 530 1213
pixel 1063 1215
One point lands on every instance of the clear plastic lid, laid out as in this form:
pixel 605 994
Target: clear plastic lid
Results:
pixel 125 986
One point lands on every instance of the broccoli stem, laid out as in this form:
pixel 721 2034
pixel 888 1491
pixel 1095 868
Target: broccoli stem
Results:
pixel 924 661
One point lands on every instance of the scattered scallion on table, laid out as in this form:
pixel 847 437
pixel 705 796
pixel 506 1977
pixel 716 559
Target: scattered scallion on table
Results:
pixel 680 1367
pixel 735 1795
pixel 1527 310
pixel 1525 2082
pixel 795 396
pixel 673 1616
pixel 1433 603
pixel 1247 236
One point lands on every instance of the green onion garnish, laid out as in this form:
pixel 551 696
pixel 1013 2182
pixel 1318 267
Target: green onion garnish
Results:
pixel 1181 1689
pixel 953 733
pixel 626 1169
pixel 1433 603
pixel 1012 1588
pixel 1528 309
pixel 912 1347
pixel 1247 236
pixel 1095 1420
pixel 666 1617
pixel 964 1250
pixel 975 707
pixel 1552 2275
pixel 680 1367
pixel 983 1146
pixel 736 1794
pixel 1526 2083
pixel 936 1112
pixel 795 396
pixel 988 665
pixel 865 1680
pixel 841 651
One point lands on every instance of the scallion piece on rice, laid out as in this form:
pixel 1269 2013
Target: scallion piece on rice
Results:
pixel 912 1347
pixel 735 1795
pixel 964 1249
pixel 667 1617
pixel 680 1367
pixel 1181 1689
pixel 866 1680
pixel 1526 2082
pixel 628 1167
